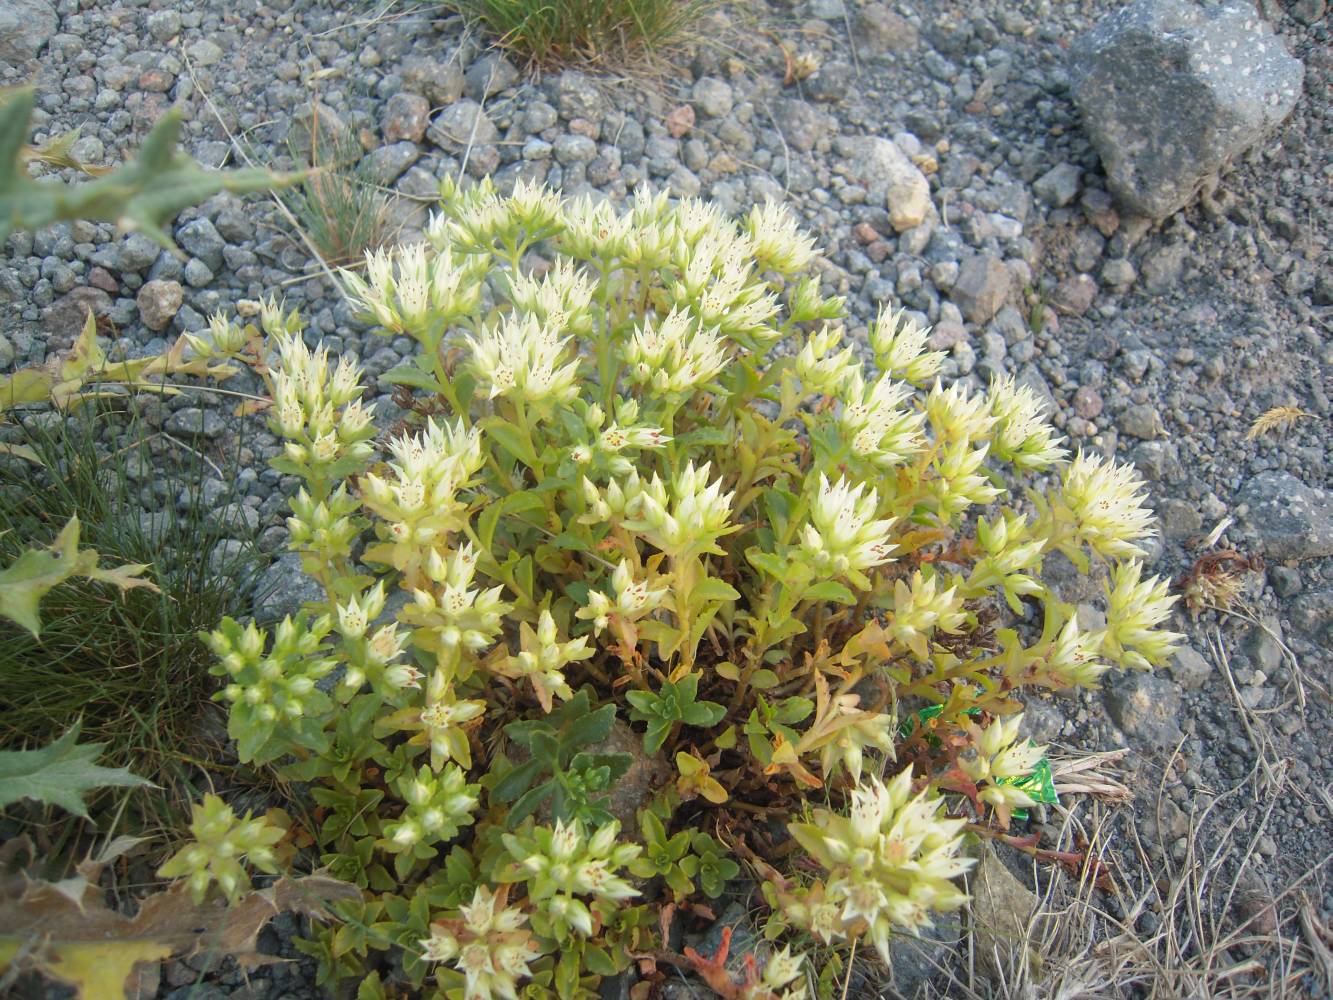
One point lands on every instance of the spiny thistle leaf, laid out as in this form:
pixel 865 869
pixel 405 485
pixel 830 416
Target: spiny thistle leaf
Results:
pixel 25 581
pixel 60 774
pixel 141 196
pixel 1278 418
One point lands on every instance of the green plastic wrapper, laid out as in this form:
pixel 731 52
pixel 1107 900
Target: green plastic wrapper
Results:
pixel 1039 785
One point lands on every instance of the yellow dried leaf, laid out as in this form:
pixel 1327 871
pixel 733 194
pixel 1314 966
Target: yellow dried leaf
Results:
pixel 74 937
pixel 99 969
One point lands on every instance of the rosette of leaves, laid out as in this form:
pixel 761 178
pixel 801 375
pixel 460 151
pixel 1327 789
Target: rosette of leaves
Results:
pixel 561 773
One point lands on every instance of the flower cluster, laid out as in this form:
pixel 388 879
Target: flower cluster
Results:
pixel 999 758
pixel 843 537
pixel 222 846
pixel 319 413
pixel 438 806
pixel 541 658
pixel 486 941
pixel 418 504
pixel 563 868
pixel 891 862
pixel 274 687
pixel 685 521
pixel 630 599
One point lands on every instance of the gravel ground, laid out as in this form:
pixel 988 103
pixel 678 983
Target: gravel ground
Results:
pixel 1158 342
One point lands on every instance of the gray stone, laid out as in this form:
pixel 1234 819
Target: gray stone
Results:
pixel 1087 402
pixel 1286 580
pixel 1030 377
pixel 1118 273
pixel 202 239
pixel 25 28
pixel 1190 668
pixel 1001 909
pixel 204 52
pixel 1289 519
pixel 570 148
pixel 982 287
pixel 88 149
pixel 1059 185
pixel 136 253
pixel 1158 461
pixel 192 421
pixel 1146 707
pixel 915 959
pixel 713 97
pixel 159 301
pixel 1312 614
pixel 164 25
pixel 405 118
pixel 885 30
pixel 1308 11
pixel 197 273
pixel 577 96
pixel 283 588
pixel 539 116
pixel 441 81
pixel 1074 295
pixel 1170 91
pixel 1180 519
pixel 1141 421
pixel 319 136
pixel 489 75
pixel 1163 267
pixel 886 172
pixel 460 125
pixel 235 520
pixel 64 318
pixel 386 164
pixel 1264 647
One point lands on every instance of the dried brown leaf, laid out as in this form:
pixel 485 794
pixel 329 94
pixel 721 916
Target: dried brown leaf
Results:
pixel 67 931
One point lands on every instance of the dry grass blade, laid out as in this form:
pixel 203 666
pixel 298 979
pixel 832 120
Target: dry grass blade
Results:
pixel 1263 745
pixel 1279 418
pixel 1317 940
pixel 1177 933
pixel 1086 774
pixel 602 32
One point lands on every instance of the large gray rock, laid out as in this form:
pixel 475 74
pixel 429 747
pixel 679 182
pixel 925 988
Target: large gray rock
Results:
pixel 1146 707
pixel 25 27
pixel 1170 91
pixel 1290 520
pixel 461 125
pixel 284 588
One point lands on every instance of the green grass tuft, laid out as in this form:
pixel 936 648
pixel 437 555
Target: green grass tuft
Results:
pixel 339 208
pixel 603 32
pixel 130 665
